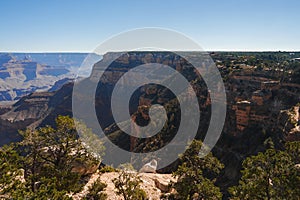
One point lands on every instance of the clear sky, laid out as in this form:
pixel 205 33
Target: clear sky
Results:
pixel 80 26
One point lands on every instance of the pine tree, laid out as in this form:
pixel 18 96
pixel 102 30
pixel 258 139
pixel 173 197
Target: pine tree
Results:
pixel 41 166
pixel 197 175
pixel 268 175
pixel 127 184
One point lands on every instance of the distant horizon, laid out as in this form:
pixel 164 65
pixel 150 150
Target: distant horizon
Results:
pixel 82 52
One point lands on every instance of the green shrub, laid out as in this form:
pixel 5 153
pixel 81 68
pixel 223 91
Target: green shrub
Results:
pixel 107 168
pixel 96 191
pixel 128 185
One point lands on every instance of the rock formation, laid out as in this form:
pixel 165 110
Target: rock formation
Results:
pixel 153 184
pixel 149 167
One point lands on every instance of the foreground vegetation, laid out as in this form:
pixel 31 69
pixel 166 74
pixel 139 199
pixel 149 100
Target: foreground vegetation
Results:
pixel 43 164
pixel 272 174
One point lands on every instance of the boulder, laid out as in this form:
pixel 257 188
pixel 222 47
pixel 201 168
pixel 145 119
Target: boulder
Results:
pixel 85 169
pixel 149 167
pixel 162 185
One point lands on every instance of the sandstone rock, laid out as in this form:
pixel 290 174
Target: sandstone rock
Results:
pixel 162 185
pixel 148 185
pixel 149 167
pixel 84 169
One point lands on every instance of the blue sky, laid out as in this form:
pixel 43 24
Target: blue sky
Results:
pixel 80 26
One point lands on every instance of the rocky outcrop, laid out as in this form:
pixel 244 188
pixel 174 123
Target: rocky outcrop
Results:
pixel 289 121
pixel 153 184
pixel 83 169
pixel 59 84
pixel 149 167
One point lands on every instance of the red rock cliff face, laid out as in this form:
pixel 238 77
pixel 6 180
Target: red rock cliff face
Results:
pixel 263 106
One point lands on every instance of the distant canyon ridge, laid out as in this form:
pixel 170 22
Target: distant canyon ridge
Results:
pixel 24 73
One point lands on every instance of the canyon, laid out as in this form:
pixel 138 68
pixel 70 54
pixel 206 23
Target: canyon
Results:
pixel 261 103
pixel 24 73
